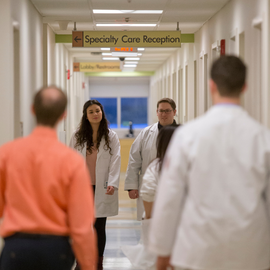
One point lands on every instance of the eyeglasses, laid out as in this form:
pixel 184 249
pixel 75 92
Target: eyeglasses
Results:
pixel 164 111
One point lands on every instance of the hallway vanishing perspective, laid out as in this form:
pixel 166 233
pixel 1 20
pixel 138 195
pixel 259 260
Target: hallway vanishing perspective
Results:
pixel 126 55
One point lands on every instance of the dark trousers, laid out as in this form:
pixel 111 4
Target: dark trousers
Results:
pixel 100 225
pixel 36 253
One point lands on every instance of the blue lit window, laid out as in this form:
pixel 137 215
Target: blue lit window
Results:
pixel 110 108
pixel 135 110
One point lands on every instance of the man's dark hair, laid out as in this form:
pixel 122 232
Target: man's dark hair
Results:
pixel 167 100
pixel 229 74
pixel 48 108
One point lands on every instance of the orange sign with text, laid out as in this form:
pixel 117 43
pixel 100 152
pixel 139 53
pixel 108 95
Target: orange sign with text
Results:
pixel 124 49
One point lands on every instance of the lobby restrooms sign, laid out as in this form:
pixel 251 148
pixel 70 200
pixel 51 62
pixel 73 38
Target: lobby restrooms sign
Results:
pixel 96 67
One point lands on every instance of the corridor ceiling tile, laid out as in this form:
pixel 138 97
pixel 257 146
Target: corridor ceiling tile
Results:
pixel 62 7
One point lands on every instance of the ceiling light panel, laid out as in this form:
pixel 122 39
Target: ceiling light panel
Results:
pixel 124 54
pixel 126 24
pixel 131 62
pixel 132 58
pixel 114 11
pixel 111 58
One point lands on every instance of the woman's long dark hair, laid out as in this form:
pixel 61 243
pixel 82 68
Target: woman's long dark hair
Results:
pixel 85 131
pixel 163 139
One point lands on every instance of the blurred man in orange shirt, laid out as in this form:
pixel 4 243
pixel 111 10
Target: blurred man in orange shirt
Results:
pixel 45 196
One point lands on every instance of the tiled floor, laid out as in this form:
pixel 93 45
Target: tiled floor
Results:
pixel 121 230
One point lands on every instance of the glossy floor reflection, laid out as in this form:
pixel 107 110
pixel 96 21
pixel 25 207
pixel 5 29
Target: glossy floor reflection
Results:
pixel 121 230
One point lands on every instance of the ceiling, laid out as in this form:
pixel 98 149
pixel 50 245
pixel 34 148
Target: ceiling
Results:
pixel 191 15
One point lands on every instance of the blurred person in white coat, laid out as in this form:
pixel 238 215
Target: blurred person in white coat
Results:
pixel 143 151
pixel 212 207
pixel 100 147
pixel 138 254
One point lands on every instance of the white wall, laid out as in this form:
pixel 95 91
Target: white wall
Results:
pixel 31 54
pixel 49 59
pixel 239 18
pixel 119 86
pixel 6 71
pixel 167 82
pixel 80 95
pixel 58 69
pixel 28 23
pixel 73 87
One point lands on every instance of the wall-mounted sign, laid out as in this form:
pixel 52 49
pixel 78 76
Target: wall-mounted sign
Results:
pixel 127 39
pixel 124 49
pixel 96 67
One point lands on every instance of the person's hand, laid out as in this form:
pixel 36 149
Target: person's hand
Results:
pixel 110 190
pixel 133 194
pixel 163 263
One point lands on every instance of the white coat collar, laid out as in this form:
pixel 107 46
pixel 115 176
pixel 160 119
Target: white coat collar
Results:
pixel 222 108
pixel 154 127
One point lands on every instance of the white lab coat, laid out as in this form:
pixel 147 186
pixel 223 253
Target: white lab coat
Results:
pixel 212 206
pixel 150 182
pixel 107 174
pixel 142 152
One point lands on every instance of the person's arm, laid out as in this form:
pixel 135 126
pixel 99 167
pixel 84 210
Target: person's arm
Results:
pixel 115 165
pixel 134 167
pixel 81 217
pixel 170 198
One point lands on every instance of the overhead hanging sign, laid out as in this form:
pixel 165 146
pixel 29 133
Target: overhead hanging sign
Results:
pixel 96 67
pixel 118 39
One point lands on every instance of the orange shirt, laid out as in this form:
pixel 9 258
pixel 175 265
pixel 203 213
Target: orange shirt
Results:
pixel 45 188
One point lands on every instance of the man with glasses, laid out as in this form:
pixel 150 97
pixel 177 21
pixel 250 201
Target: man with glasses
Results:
pixel 144 150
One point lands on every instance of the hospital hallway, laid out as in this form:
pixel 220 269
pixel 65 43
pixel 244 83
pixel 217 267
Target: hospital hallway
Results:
pixel 125 57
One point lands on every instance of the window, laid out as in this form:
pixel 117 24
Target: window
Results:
pixel 135 110
pixel 110 108
pixel 132 109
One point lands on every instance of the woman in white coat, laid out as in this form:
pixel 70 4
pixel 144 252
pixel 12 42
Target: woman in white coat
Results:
pixel 101 149
pixel 138 255
pixel 151 176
